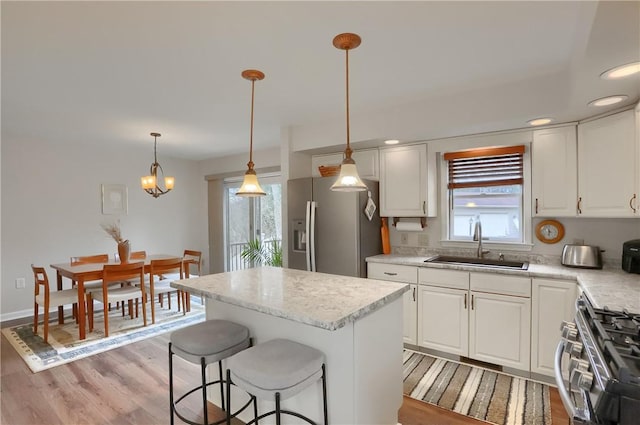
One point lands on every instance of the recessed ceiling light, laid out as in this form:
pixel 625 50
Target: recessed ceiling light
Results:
pixel 609 100
pixel 391 142
pixel 540 121
pixel 621 71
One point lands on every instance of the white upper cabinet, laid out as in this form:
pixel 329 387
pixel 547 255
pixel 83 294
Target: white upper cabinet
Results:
pixel 554 172
pixel 366 162
pixel 403 181
pixel 608 167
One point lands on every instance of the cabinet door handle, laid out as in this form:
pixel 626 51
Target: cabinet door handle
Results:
pixel 424 207
pixel 578 206
pixel 631 203
pixel 414 294
pixel 471 302
pixel 465 301
pixel 390 274
pixel 536 205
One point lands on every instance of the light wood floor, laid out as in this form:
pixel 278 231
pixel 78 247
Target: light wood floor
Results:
pixel 129 385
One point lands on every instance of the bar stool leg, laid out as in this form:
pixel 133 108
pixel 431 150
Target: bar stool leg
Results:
pixel 324 395
pixel 228 385
pixel 171 382
pixel 203 367
pixel 278 408
pixel 222 403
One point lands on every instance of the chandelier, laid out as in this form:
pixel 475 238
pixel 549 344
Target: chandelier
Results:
pixel 150 182
pixel 250 185
pixel 348 180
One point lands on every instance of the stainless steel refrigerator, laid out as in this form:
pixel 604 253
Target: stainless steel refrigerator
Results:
pixel 329 232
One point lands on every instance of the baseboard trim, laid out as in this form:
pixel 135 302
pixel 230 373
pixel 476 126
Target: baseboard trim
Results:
pixel 28 314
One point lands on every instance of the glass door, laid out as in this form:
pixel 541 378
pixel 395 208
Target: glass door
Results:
pixel 253 225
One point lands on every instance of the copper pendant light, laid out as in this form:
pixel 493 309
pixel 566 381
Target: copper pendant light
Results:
pixel 348 180
pixel 250 185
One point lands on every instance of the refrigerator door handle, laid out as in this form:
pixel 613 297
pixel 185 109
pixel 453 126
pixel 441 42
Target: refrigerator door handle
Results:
pixel 312 243
pixel 307 248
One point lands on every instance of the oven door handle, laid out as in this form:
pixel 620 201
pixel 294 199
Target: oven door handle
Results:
pixel 562 389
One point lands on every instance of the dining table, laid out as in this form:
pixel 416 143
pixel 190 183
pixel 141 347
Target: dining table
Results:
pixel 82 273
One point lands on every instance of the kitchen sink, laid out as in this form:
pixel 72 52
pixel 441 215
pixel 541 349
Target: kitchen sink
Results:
pixel 479 262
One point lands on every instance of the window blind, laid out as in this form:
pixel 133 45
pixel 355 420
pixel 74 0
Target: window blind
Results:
pixel 496 166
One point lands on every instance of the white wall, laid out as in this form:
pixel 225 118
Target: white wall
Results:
pixel 51 210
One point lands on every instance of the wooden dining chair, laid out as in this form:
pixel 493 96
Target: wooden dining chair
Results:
pixel 189 258
pixel 192 258
pixel 46 298
pixel 90 259
pixel 159 287
pixel 134 255
pixel 118 273
pixel 91 285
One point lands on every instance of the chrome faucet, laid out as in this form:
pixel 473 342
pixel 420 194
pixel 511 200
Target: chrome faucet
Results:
pixel 477 236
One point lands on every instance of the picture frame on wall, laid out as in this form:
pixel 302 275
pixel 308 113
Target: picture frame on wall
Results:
pixel 114 199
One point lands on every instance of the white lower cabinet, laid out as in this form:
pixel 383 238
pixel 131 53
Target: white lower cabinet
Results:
pixel 499 329
pixel 444 325
pixel 410 316
pixel 553 301
pixel 508 320
pixel 484 316
pixel 403 274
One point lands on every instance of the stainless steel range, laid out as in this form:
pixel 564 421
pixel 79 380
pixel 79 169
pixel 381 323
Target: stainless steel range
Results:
pixel 597 366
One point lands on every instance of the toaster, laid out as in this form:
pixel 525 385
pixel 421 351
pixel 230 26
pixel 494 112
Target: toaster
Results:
pixel 583 256
pixel 631 256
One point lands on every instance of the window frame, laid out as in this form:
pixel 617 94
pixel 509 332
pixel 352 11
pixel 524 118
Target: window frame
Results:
pixel 446 199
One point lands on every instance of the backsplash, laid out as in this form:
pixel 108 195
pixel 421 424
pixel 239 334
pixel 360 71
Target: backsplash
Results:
pixel 607 233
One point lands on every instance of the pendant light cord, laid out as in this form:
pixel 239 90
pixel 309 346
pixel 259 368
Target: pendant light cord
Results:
pixel 348 151
pixel 250 164
pixel 155 153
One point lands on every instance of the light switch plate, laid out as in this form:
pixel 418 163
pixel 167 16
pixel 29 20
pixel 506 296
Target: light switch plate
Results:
pixel 20 283
pixel 404 239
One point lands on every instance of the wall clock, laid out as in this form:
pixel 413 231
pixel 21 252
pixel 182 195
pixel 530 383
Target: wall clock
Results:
pixel 550 231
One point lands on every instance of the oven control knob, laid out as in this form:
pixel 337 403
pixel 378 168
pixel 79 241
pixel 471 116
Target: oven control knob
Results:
pixel 574 348
pixel 566 324
pixel 581 379
pixel 578 364
pixel 569 333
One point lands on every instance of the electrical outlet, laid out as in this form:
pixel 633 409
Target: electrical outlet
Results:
pixel 423 240
pixel 20 283
pixel 578 241
pixel 404 239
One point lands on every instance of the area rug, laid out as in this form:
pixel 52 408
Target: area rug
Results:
pixel 64 346
pixel 482 394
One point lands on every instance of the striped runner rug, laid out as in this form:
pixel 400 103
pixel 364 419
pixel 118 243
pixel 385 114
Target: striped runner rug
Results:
pixel 483 394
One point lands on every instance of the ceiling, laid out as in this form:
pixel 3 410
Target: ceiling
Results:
pixel 109 73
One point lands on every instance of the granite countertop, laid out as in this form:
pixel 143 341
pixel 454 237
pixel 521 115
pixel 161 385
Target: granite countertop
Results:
pixel 613 288
pixel 318 299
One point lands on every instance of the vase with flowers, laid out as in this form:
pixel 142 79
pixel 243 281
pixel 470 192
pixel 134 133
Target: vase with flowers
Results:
pixel 113 230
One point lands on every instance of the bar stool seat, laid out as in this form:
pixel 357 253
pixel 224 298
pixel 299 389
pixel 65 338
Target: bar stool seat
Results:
pixel 213 339
pixel 279 369
pixel 205 343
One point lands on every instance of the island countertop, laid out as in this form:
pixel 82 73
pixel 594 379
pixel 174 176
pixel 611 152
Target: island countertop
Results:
pixel 318 299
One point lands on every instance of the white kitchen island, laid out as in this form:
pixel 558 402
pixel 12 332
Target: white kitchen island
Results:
pixel 355 322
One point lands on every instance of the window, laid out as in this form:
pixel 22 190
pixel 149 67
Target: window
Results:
pixel 249 219
pixel 486 185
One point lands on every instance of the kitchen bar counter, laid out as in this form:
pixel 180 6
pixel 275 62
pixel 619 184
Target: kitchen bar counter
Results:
pixel 322 300
pixel 357 325
pixel 613 288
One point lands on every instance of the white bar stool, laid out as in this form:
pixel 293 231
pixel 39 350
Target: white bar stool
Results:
pixel 205 343
pixel 278 369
